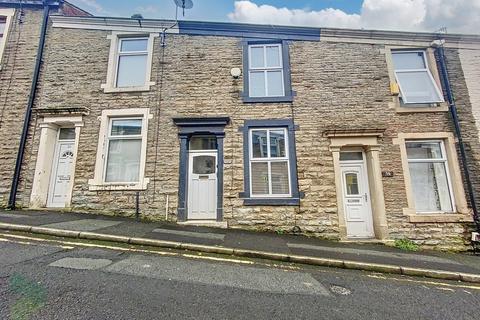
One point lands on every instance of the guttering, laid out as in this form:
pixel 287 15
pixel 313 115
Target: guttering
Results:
pixel 30 3
pixel 440 54
pixel 28 113
pixel 113 24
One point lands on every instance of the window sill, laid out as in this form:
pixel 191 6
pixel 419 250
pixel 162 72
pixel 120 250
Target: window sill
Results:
pixel 271 202
pixel 95 186
pixel 108 89
pixel 267 99
pixel 420 108
pixel 440 217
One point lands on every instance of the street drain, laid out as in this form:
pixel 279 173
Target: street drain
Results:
pixel 340 290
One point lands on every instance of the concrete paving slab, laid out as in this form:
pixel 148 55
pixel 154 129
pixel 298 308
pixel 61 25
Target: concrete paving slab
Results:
pixel 129 228
pixel 385 260
pixel 183 238
pixel 202 235
pixel 252 241
pixel 249 278
pixel 407 256
pixel 83 225
pixel 14 215
pixel 81 263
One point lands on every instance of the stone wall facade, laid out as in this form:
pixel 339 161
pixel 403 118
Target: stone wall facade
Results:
pixel 339 86
pixel 15 81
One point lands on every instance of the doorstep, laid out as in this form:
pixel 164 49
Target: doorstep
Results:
pixel 205 223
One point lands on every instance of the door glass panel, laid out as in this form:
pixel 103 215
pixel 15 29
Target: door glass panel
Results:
pixel 259 143
pixel 204 165
pixel 260 178
pixel 280 183
pixel 351 181
pixel 277 143
pixel 351 156
pixel 67 134
pixel 203 143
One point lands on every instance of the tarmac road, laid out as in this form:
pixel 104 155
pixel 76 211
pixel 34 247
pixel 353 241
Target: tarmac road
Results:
pixel 58 280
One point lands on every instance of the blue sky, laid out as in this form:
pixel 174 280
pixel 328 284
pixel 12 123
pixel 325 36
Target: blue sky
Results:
pixel 458 16
pixel 211 10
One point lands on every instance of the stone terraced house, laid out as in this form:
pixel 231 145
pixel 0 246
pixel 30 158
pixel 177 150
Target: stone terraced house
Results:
pixel 336 133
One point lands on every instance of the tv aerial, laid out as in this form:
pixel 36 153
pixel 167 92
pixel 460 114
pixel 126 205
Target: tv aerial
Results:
pixel 183 4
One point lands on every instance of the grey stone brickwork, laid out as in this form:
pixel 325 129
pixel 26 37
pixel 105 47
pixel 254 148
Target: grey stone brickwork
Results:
pixel 15 81
pixel 338 86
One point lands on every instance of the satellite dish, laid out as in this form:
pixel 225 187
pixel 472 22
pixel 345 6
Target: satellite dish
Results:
pixel 184 4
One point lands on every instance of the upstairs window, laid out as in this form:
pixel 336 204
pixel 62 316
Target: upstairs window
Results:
pixel 6 16
pixel 132 62
pixel 266 71
pixel 417 85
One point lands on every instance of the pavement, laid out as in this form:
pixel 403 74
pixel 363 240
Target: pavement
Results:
pixel 292 248
pixel 57 279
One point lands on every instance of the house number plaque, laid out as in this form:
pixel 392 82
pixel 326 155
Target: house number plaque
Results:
pixel 387 174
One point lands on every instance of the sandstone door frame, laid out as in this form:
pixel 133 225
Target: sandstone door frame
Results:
pixel 368 142
pixel 49 130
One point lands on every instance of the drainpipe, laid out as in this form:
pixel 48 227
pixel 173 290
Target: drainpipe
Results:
pixel 440 54
pixel 28 113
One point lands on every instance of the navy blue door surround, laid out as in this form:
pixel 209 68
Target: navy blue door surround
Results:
pixel 188 127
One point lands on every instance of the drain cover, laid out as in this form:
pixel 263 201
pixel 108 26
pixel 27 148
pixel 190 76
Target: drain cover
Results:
pixel 340 290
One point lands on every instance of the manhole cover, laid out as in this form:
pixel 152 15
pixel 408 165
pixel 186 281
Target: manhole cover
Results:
pixel 340 290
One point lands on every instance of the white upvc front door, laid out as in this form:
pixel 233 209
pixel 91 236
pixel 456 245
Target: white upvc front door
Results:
pixel 61 179
pixel 356 199
pixel 202 185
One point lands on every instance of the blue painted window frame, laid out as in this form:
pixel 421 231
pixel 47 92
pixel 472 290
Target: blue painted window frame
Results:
pixel 287 79
pixel 294 199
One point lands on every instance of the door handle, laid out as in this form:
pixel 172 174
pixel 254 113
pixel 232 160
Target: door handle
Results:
pixel 366 197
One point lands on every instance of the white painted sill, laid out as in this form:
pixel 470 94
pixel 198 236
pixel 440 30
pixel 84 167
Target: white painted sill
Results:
pixel 417 108
pixel 95 186
pixel 439 218
pixel 110 89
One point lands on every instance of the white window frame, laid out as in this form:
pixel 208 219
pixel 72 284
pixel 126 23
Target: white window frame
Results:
pixel 121 53
pixel 269 161
pixel 426 69
pixel 265 69
pixel 443 160
pixel 9 14
pixel 98 182
pixel 110 137
pixel 115 45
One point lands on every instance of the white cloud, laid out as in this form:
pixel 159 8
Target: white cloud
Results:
pixel 418 15
pixel 247 11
